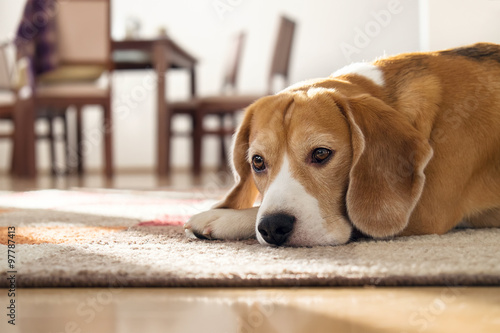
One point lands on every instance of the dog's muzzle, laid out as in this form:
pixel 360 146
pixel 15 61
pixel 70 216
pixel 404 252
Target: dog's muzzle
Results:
pixel 276 228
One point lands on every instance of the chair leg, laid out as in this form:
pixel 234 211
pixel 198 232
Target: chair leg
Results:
pixel 66 142
pixel 197 134
pixel 52 143
pixel 79 141
pixel 13 155
pixel 108 141
pixel 24 163
pixel 168 143
pixel 222 138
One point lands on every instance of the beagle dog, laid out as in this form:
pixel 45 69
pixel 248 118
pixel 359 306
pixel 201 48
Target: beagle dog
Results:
pixel 406 145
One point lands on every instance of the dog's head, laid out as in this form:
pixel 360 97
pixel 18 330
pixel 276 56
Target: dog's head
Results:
pixel 326 164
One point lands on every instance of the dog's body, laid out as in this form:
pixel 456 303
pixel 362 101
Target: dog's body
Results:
pixel 407 145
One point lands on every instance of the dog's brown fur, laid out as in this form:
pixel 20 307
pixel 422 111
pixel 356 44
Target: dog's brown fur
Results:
pixel 418 155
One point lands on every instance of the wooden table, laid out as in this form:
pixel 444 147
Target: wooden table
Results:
pixel 158 54
pixel 161 55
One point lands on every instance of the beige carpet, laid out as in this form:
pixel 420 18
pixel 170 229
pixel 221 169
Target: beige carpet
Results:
pixel 125 239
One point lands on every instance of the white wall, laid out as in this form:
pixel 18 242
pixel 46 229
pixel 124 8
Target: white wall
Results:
pixel 330 34
pixel 460 22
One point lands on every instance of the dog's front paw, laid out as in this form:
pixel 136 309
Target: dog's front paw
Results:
pixel 222 224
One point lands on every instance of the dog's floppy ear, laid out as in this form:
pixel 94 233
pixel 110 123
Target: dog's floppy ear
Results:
pixel 244 192
pixel 388 162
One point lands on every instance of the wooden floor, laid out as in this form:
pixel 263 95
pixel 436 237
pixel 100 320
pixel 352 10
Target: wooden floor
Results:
pixel 392 310
pixel 355 310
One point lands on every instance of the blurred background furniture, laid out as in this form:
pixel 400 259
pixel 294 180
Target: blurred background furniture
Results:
pixel 76 74
pixel 12 105
pixel 7 98
pixel 161 54
pixel 10 101
pixel 229 102
pixel 16 108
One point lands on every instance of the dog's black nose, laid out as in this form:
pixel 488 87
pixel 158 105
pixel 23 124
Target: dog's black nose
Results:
pixel 276 228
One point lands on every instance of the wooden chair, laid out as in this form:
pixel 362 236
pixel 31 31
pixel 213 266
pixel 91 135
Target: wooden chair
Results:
pixel 12 109
pixel 230 103
pixel 282 53
pixel 82 76
pixel 9 101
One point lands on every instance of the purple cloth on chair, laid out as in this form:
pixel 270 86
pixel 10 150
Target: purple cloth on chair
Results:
pixel 36 36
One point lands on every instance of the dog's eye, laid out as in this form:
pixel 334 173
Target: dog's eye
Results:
pixel 258 163
pixel 320 155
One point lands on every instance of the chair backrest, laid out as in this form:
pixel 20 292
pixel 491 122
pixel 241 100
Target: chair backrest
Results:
pixel 83 29
pixel 282 51
pixel 233 63
pixel 5 73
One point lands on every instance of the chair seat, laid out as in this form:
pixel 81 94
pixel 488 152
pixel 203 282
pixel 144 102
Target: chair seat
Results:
pixel 72 90
pixel 244 100
pixel 214 104
pixel 188 106
pixel 72 73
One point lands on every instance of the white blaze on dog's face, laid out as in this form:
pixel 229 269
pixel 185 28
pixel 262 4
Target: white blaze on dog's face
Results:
pixel 300 155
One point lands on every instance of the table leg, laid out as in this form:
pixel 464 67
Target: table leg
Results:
pixel 197 134
pixel 108 140
pixel 24 164
pixel 79 140
pixel 161 62
pixel 193 81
